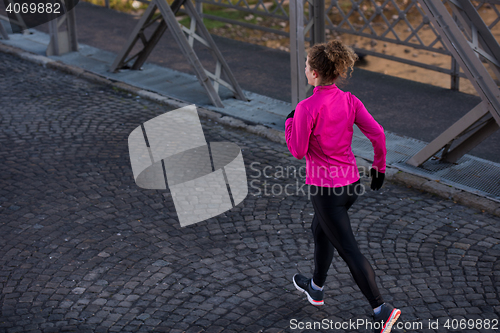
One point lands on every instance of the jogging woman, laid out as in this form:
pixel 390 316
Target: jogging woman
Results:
pixel 321 129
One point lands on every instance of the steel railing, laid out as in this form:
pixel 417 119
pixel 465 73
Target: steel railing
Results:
pixel 400 22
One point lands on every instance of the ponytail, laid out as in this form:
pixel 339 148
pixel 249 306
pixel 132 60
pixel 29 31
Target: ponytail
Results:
pixel 332 59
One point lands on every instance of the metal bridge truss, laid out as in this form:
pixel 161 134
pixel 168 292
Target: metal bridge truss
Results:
pixel 3 33
pixel 62 31
pixel 63 40
pixel 17 25
pixel 382 21
pixel 300 27
pixel 185 38
pixel 469 41
pixel 472 45
pixel 391 21
pixel 465 36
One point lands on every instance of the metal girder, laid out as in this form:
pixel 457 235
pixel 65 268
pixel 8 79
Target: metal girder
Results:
pixel 185 38
pixel 222 68
pixel 297 51
pixel 461 137
pixel 483 129
pixel 316 29
pixel 318 16
pixel 481 40
pixel 3 33
pixel 63 41
pixel 484 119
pixel 146 20
pixel 18 25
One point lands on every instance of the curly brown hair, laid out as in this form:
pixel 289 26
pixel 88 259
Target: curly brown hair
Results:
pixel 331 60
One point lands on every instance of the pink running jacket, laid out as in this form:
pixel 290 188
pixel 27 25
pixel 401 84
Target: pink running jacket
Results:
pixel 322 129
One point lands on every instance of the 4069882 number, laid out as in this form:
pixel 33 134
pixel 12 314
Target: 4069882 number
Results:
pixel 456 324
pixel 32 8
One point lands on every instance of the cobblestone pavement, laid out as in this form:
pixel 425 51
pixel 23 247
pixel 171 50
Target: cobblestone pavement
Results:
pixel 83 249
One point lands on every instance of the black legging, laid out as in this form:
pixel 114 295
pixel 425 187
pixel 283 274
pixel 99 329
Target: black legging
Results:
pixel 331 228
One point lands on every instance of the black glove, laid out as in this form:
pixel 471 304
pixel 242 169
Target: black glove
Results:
pixel 290 115
pixel 377 179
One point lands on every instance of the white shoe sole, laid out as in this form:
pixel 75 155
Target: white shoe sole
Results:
pixel 392 319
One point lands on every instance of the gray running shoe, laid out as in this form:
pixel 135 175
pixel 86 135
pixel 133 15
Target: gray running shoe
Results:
pixel 303 284
pixel 384 321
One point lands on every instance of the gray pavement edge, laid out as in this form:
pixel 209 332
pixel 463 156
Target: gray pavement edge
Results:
pixel 395 175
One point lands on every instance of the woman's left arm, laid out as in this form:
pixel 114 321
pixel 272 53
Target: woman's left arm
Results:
pixel 298 129
pixel 374 132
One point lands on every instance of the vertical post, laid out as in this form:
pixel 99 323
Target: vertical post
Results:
pixel 297 52
pixel 455 68
pixel 318 29
pixel 65 40
pixel 71 26
pixel 21 26
pixel 106 3
pixel 17 28
pixel 54 47
pixel 199 7
pixel 455 78
pixel 3 33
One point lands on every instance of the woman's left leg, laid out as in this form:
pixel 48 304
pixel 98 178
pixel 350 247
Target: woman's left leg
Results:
pixel 331 206
pixel 323 253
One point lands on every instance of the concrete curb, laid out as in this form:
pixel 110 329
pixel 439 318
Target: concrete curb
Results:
pixel 392 174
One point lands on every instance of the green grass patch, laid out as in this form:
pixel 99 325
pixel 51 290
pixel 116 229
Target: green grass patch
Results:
pixel 212 24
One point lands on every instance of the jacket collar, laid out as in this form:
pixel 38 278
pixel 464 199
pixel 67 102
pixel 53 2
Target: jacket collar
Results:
pixel 328 87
